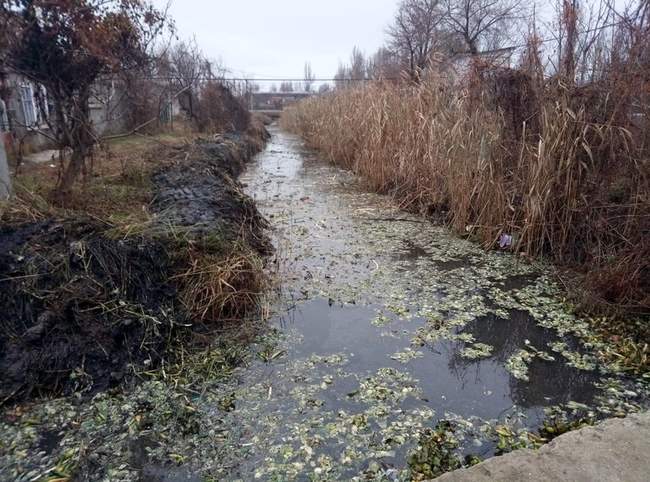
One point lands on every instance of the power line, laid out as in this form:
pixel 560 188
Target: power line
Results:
pixel 254 79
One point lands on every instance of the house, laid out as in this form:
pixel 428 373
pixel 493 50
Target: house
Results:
pixel 459 65
pixel 25 110
pixel 22 113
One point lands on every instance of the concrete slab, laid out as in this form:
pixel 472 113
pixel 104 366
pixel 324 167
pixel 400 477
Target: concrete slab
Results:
pixel 615 450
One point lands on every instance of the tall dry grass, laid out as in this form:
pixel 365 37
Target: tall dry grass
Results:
pixel 551 165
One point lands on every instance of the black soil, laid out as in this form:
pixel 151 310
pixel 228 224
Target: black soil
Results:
pixel 79 306
pixel 199 192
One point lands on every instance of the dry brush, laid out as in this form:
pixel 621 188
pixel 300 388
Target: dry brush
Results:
pixel 560 168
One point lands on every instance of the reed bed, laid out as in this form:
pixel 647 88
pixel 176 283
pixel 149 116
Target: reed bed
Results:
pixel 559 169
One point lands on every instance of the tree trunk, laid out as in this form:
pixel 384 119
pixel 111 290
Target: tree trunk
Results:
pixel 473 49
pixel 5 180
pixel 81 141
pixel 71 171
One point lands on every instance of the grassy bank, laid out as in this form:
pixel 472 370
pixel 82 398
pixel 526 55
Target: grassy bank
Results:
pixel 542 168
pixel 131 276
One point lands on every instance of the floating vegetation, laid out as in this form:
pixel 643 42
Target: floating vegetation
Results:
pixel 517 364
pixel 387 385
pixel 381 320
pixel 407 355
pixel 436 454
pixel 477 350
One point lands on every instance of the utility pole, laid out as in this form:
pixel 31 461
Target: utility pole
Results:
pixel 5 181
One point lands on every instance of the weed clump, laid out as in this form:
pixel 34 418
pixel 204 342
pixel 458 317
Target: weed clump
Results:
pixel 217 288
pixel 79 307
pixel 436 454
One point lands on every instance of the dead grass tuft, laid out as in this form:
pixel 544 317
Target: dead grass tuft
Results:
pixel 216 288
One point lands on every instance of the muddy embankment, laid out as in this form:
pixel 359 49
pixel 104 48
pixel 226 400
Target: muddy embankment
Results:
pixel 84 304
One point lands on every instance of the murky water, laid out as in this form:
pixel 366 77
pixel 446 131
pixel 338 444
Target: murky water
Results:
pixel 387 325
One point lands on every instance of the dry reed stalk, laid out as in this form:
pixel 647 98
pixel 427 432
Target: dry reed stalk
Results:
pixel 215 288
pixel 440 147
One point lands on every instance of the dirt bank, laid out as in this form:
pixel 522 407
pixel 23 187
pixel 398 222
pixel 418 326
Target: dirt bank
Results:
pixel 199 193
pixel 85 303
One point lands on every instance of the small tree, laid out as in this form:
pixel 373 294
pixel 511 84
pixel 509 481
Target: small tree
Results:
pixel 309 77
pixel 358 65
pixel 385 64
pixel 342 77
pixel 66 46
pixel 218 110
pixel 188 67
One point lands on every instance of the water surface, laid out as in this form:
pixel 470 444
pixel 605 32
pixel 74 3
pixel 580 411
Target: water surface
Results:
pixel 387 325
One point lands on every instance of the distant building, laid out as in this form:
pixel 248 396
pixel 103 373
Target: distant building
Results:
pixel 460 64
pixel 276 100
pixel 27 114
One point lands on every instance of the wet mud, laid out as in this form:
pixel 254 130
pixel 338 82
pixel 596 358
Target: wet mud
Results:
pixel 81 303
pixel 199 192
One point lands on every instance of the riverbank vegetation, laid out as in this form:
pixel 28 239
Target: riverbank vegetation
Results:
pixel 116 284
pixel 125 250
pixel 543 156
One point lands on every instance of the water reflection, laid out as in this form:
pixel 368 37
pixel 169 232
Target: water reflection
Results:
pixel 360 278
pixel 448 381
pixel 550 382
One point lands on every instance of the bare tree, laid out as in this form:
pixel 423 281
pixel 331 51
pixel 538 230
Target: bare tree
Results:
pixel 358 65
pixel 356 70
pixel 286 86
pixel 309 77
pixel 273 88
pixel 384 64
pixel 65 47
pixel 342 77
pixel 416 31
pixel 187 67
pixel 480 23
pixel 584 33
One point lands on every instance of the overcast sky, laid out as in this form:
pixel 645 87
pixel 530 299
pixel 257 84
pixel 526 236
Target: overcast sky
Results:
pixel 274 38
